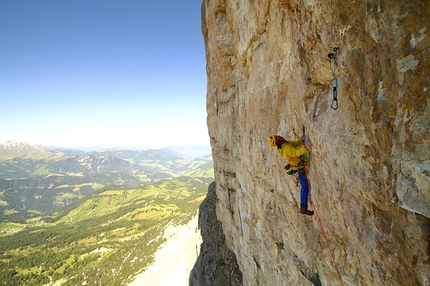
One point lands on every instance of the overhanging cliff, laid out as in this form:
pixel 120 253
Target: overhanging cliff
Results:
pixel 268 72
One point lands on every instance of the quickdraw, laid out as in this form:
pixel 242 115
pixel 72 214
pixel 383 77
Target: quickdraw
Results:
pixel 334 82
pixel 334 105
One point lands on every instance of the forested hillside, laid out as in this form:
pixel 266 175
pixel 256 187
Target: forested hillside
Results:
pixel 106 239
pixel 94 218
pixel 31 186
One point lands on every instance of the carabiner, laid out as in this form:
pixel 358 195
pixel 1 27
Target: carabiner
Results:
pixel 334 80
pixel 334 105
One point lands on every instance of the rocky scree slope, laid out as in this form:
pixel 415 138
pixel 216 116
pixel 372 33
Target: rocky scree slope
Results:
pixel 369 169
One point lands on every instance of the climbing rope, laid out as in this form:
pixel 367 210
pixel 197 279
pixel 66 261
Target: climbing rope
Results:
pixel 314 246
pixel 316 212
pixel 322 227
pixel 334 82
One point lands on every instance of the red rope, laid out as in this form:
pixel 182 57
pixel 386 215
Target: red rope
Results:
pixel 322 228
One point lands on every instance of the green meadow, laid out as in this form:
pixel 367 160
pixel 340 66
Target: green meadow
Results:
pixel 104 239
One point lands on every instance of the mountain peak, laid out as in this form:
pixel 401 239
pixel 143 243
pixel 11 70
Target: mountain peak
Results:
pixel 20 149
pixel 13 144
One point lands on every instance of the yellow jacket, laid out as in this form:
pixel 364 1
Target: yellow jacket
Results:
pixel 291 151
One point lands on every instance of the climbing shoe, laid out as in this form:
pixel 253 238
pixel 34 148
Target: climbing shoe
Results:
pixel 306 212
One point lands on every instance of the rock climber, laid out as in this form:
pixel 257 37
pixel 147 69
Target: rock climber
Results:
pixel 292 152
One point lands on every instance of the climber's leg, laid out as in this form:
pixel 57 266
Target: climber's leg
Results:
pixel 304 192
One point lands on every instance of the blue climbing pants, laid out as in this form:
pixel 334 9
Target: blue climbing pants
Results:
pixel 304 191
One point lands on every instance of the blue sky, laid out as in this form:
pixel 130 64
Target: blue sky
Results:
pixel 83 73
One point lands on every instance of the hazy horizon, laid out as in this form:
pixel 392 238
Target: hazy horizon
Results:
pixel 105 147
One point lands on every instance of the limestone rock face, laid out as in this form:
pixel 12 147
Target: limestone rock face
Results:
pixel 216 263
pixel 369 168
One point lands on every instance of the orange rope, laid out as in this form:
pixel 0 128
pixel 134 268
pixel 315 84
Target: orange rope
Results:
pixel 322 228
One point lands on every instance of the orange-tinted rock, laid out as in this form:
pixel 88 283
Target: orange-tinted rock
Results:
pixel 268 72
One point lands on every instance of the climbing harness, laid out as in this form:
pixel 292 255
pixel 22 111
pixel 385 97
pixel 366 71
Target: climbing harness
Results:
pixel 334 82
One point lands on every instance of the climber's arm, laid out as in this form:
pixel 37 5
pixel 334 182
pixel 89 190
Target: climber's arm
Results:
pixel 290 151
pixel 296 143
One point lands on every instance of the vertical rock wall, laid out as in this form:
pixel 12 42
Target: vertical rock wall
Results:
pixel 268 72
pixel 216 263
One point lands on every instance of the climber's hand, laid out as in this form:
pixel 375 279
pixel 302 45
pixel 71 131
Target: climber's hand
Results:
pixel 308 144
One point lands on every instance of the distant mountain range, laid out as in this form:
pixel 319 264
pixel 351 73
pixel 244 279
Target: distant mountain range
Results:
pixel 20 149
pixel 37 180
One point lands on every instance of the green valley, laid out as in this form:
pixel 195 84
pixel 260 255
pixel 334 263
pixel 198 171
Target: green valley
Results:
pixel 31 185
pixel 71 225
